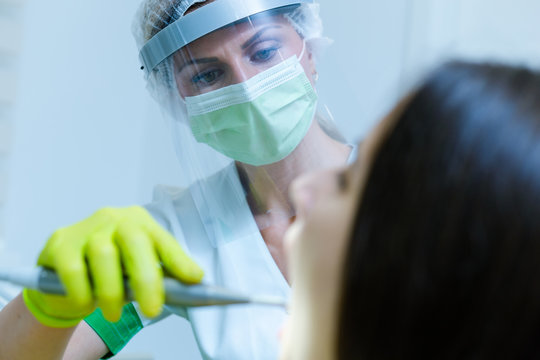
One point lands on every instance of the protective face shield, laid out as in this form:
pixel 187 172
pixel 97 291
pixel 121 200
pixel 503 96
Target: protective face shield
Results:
pixel 237 79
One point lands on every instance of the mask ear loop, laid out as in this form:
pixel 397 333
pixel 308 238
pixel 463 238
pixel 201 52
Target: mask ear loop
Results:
pixel 303 50
pixel 304 46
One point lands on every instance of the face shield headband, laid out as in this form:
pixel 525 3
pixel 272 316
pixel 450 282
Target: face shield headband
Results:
pixel 205 20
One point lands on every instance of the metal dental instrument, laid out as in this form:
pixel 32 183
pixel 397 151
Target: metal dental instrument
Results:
pixel 176 293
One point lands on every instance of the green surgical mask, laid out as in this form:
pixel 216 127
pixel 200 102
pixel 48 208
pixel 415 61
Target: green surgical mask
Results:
pixel 260 121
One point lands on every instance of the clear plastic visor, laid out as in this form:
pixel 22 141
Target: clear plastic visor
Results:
pixel 236 53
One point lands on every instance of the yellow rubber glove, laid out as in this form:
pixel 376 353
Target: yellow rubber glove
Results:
pixel 110 244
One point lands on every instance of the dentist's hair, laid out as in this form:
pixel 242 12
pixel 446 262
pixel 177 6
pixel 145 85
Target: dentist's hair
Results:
pixel 444 258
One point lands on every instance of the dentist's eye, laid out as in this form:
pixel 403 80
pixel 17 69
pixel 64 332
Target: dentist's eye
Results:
pixel 207 78
pixel 264 55
pixel 264 50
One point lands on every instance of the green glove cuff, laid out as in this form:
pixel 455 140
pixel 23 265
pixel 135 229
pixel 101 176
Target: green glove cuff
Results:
pixel 45 319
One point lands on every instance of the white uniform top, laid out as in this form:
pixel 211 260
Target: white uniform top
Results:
pixel 238 260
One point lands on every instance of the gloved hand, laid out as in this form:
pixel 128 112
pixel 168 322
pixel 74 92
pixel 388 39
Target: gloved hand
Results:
pixel 111 243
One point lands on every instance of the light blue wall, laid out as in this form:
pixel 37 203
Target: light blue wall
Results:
pixel 382 48
pixel 84 135
pixel 87 135
pixel 360 71
pixel 78 129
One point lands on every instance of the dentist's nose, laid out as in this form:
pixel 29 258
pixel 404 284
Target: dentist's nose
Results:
pixel 241 71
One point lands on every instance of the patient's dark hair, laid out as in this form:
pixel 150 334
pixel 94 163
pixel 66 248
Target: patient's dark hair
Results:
pixel 444 258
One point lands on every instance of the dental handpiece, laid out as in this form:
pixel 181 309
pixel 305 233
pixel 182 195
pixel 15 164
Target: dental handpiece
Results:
pixel 176 293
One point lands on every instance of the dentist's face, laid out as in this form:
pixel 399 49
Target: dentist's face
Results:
pixel 236 53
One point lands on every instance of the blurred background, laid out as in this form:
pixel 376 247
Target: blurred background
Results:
pixel 78 131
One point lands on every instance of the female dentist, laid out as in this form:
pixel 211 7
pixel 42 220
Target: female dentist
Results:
pixel 236 79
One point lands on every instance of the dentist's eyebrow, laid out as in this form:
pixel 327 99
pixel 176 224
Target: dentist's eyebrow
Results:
pixel 258 35
pixel 198 61
pixel 244 46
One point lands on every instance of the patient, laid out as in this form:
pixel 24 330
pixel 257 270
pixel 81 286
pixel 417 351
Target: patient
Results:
pixel 428 247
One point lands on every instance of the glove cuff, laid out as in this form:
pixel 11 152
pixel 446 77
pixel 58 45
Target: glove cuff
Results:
pixel 45 319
